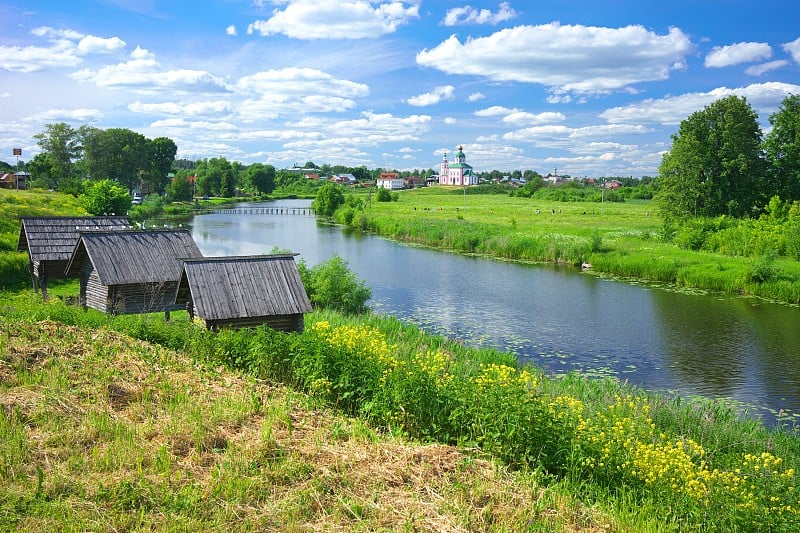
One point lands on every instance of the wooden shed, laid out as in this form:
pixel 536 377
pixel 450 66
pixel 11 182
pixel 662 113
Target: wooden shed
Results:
pixel 244 291
pixel 131 271
pixel 51 240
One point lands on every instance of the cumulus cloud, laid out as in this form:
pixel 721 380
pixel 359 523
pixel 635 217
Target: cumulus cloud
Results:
pixel 495 110
pixel 571 58
pixel 99 45
pixel 763 68
pixel 208 108
pixel 68 115
pixel 231 30
pixel 469 15
pixel 144 74
pixel 793 49
pixel 335 19
pixel 66 49
pixel 295 80
pixel 522 117
pixel 443 92
pixel 474 97
pixel 735 54
pixel 764 97
pixel 449 120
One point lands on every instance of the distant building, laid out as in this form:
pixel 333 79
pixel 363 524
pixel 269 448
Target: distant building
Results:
pixel 14 181
pixel 457 172
pixel 390 180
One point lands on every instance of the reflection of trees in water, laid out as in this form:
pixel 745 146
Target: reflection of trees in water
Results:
pixel 707 344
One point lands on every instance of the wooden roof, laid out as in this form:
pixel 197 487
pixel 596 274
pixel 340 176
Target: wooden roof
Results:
pixel 123 257
pixel 54 238
pixel 224 288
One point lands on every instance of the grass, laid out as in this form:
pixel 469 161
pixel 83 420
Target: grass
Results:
pixel 99 431
pixel 621 239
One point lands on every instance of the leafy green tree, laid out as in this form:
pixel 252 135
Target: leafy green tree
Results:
pixel 105 197
pixel 161 155
pixel 329 197
pixel 61 145
pixel 715 165
pixel 384 195
pixel 261 177
pixel 332 285
pixel 118 154
pixel 782 148
pixel 180 189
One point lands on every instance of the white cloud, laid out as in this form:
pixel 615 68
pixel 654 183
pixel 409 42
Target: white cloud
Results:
pixel 294 80
pixel 144 74
pixel 522 117
pixel 65 50
pixel 758 70
pixel 469 15
pixel 735 54
pixel 335 19
pixel 99 45
pixel 474 97
pixel 495 110
pixel 793 49
pixel 572 58
pixel 207 108
pixel 449 120
pixel 443 92
pixel 231 30
pixel 68 115
pixel 764 97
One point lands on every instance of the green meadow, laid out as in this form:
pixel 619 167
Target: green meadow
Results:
pixel 358 423
pixel 623 239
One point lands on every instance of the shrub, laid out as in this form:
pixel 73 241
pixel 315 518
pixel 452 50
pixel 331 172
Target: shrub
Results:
pixel 333 285
pixel 105 197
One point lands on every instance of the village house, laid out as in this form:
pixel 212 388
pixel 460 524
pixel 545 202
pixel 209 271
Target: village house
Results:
pixel 131 271
pixel 244 291
pixel 50 241
pixel 390 180
pixel 18 180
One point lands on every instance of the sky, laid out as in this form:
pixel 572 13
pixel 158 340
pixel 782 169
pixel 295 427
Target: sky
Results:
pixel 582 88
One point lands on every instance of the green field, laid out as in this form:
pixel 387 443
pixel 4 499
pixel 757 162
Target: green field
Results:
pixel 619 239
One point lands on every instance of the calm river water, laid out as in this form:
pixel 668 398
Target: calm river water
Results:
pixel 561 319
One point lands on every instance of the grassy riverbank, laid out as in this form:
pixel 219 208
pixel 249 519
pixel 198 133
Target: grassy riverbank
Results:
pixel 132 422
pixel 619 239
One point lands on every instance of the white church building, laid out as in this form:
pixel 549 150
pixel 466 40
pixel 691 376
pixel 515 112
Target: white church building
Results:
pixel 458 172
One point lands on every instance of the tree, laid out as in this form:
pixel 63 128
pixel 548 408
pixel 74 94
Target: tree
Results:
pixel 118 154
pixel 61 145
pixel 105 197
pixel 329 197
pixel 715 165
pixel 180 189
pixel 261 177
pixel 782 148
pixel 384 195
pixel 215 177
pixel 161 155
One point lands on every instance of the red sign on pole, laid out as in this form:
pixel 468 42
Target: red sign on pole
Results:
pixel 17 151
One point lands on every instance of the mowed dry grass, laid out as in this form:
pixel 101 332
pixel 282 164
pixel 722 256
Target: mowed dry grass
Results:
pixel 102 432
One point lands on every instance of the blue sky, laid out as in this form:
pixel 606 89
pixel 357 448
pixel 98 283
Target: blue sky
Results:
pixel 591 88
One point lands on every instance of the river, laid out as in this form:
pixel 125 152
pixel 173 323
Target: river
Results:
pixel 739 349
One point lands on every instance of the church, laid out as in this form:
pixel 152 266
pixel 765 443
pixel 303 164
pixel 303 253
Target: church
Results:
pixel 458 172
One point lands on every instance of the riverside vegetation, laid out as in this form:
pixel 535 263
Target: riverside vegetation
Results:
pixel 137 423
pixel 757 257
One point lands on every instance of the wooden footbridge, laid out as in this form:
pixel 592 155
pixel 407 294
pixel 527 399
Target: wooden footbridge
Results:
pixel 260 210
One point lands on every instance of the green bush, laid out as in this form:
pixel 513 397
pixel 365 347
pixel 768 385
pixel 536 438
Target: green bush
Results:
pixel 332 285
pixel 105 197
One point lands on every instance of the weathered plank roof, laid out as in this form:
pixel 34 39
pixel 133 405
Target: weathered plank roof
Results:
pixel 223 288
pixel 54 238
pixel 123 257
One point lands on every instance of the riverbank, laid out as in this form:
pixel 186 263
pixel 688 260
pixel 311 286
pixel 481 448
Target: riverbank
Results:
pixel 617 239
